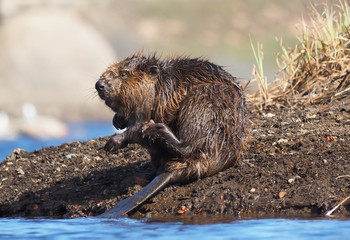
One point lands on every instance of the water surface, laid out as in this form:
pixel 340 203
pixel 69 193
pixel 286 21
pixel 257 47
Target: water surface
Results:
pixel 125 228
pixel 78 131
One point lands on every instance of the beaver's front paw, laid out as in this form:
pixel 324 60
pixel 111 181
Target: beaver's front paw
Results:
pixel 114 143
pixel 152 131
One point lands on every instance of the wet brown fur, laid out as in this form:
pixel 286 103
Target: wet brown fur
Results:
pixel 195 100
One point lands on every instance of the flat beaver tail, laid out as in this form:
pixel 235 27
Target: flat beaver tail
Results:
pixel 129 204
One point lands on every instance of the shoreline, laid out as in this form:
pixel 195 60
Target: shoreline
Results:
pixel 296 164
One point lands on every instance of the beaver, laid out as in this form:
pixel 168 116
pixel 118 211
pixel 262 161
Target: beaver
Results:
pixel 188 112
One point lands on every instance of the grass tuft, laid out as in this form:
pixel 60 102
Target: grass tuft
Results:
pixel 262 96
pixel 317 69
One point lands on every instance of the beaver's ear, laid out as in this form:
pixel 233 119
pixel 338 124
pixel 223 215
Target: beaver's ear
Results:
pixel 154 70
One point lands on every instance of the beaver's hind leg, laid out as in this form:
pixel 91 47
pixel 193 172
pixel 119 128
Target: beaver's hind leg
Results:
pixel 160 137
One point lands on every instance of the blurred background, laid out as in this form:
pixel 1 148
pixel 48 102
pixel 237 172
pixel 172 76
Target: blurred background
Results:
pixel 53 51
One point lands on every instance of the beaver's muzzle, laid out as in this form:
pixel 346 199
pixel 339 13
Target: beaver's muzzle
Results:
pixel 101 88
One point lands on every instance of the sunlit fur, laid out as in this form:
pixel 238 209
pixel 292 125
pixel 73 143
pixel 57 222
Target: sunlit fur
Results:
pixel 197 100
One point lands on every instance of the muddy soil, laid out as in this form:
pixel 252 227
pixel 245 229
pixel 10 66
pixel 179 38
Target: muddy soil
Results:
pixel 297 164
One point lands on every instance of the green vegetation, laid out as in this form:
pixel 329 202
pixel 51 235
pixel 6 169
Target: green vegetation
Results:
pixel 262 97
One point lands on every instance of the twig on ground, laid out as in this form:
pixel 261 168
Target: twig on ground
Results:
pixel 329 213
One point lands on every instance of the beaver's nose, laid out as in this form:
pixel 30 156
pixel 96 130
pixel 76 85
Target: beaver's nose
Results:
pixel 100 85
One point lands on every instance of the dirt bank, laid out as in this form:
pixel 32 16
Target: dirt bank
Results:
pixel 297 164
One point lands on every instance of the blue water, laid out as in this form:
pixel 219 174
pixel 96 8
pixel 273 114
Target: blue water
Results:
pixel 93 228
pixel 124 228
pixel 78 131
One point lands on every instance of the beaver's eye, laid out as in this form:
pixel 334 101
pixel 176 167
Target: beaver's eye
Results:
pixel 123 74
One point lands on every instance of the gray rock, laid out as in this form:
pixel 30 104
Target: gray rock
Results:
pixel 51 57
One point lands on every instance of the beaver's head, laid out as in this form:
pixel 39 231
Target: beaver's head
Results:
pixel 127 85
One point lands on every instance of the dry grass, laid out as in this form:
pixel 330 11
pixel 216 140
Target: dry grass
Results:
pixel 317 69
pixel 262 96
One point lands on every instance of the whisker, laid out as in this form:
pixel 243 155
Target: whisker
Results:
pixel 91 94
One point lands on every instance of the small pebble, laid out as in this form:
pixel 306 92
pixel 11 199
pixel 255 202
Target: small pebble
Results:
pixel 282 194
pixel 291 180
pixel 20 171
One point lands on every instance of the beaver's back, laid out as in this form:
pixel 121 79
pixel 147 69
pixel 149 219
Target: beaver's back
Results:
pixel 205 108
